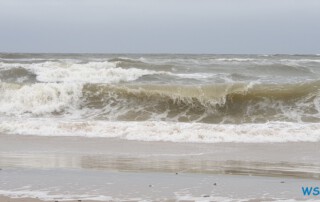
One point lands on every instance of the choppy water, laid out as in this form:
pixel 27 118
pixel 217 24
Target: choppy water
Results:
pixel 199 98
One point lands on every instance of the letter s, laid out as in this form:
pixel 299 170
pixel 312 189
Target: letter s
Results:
pixel 316 191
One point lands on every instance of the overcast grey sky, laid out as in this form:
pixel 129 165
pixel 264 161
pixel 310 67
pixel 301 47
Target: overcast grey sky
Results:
pixel 160 26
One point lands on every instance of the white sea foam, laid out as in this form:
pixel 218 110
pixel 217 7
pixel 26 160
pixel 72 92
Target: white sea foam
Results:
pixel 167 131
pixel 300 60
pixel 4 66
pixel 93 72
pixel 39 98
pixel 47 196
pixel 196 75
pixel 208 198
pixel 236 59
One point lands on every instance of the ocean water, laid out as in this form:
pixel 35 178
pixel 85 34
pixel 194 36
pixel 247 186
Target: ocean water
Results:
pixel 179 98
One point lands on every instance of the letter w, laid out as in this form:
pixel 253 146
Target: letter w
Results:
pixel 307 190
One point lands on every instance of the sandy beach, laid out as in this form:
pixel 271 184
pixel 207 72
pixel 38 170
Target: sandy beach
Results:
pixel 271 159
pixel 119 170
pixel 8 199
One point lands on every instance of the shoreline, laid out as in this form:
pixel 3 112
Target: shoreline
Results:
pixel 299 160
pixel 38 166
pixel 9 199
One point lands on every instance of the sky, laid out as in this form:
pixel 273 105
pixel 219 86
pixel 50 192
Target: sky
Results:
pixel 161 26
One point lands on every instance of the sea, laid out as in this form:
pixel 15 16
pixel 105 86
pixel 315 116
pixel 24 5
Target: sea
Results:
pixel 162 97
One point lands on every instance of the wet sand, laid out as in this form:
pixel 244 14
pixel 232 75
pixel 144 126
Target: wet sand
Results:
pixel 278 159
pixel 276 170
pixel 102 185
pixel 8 199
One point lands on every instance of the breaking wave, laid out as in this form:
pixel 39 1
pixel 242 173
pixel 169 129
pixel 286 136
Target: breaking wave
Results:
pixel 184 98
pixel 91 72
pixel 224 103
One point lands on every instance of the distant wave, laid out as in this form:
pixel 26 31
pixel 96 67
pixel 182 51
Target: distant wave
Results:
pixel 92 72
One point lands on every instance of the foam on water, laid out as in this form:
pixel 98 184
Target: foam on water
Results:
pixel 88 184
pixel 47 196
pixel 166 131
pixel 39 98
pixel 241 98
pixel 92 72
pixel 223 103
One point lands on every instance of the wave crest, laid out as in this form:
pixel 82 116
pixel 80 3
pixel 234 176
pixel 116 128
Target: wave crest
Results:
pixel 39 98
pixel 224 103
pixel 227 103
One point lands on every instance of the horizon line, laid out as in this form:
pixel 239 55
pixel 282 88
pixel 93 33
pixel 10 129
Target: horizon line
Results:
pixel 154 53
